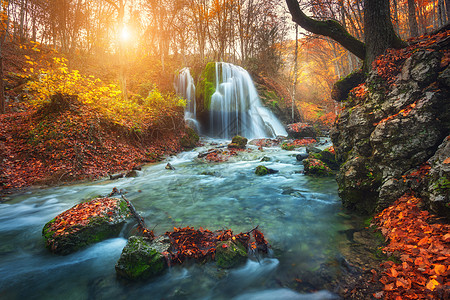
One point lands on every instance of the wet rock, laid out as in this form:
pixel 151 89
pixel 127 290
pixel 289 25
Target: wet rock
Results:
pixel 142 258
pixel 300 130
pixel 328 157
pixel 116 176
pixel 238 142
pixel 265 159
pixel 312 149
pixel 438 180
pixel 170 167
pixel 316 167
pixel 301 156
pixel 190 139
pixel 230 254
pixel 132 173
pixel 85 224
pixel 262 170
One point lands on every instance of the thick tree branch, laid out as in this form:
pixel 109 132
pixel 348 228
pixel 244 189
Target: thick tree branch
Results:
pixel 328 28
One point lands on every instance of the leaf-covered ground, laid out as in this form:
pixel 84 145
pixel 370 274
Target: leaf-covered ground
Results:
pixel 422 247
pixel 70 145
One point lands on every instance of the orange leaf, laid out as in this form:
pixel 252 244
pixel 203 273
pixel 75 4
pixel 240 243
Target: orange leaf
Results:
pixel 422 241
pixel 394 272
pixel 431 285
pixel 439 269
pixel 389 287
pixel 447 160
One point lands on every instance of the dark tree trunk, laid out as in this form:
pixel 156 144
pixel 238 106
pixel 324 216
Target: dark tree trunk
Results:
pixel 447 5
pixel 412 20
pixel 378 29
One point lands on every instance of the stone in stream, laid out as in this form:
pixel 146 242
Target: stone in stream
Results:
pixel 327 156
pixel 230 254
pixel 301 156
pixel 262 170
pixel 170 167
pixel 142 258
pixel 316 167
pixel 238 142
pixel 84 224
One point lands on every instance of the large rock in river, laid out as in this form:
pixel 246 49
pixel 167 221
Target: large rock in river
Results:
pixel 84 224
pixel 142 258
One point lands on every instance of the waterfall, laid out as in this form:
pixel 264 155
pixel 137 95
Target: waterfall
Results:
pixel 185 88
pixel 236 107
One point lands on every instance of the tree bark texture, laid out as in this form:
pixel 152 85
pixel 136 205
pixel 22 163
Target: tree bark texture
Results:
pixel 412 20
pixel 379 31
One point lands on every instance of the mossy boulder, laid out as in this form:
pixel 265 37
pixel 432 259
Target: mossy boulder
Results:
pixel 328 157
pixel 84 224
pixel 287 146
pixel 238 142
pixel 262 170
pixel 230 254
pixel 142 258
pixel 190 139
pixel 316 167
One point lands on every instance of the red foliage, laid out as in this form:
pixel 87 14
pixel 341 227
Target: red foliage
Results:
pixel 360 91
pixel 72 145
pixel 389 65
pixel 74 219
pixel 403 112
pixel 423 247
pixel 200 244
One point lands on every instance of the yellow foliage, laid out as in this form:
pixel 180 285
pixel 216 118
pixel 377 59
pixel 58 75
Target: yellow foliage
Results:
pixel 136 114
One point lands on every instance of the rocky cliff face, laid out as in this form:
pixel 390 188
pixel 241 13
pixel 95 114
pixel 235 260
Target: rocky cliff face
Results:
pixel 392 136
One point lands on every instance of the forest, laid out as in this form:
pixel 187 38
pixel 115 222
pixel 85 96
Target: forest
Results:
pixel 318 129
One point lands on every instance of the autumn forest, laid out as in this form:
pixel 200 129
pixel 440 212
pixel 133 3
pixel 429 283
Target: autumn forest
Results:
pixel 225 149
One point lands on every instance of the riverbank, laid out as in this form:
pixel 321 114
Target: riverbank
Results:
pixel 74 145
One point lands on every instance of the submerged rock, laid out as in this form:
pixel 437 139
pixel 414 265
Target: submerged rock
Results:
pixel 84 224
pixel 230 254
pixel 142 258
pixel 170 167
pixel 238 142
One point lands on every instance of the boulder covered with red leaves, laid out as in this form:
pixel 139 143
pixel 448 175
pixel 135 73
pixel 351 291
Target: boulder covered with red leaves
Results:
pixel 300 130
pixel 84 224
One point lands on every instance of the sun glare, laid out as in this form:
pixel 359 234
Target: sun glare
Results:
pixel 124 34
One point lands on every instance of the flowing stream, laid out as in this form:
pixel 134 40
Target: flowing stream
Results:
pixel 299 215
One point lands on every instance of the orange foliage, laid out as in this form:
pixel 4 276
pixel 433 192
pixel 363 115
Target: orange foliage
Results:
pixel 74 219
pixel 403 112
pixel 389 65
pixel 423 247
pixel 200 244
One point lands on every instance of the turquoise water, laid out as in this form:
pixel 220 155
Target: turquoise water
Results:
pixel 298 215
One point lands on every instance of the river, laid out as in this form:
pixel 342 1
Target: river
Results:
pixel 300 216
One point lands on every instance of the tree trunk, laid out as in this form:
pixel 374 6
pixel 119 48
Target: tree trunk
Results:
pixel 412 20
pixel 379 32
pixel 447 5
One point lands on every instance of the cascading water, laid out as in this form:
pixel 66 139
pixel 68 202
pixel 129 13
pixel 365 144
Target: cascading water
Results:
pixel 185 87
pixel 236 107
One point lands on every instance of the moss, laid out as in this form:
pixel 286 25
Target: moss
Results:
pixel 189 140
pixel 230 254
pixel 207 85
pixel 139 260
pixel 442 184
pixel 261 171
pixel 343 86
pixel 288 147
pixel 316 167
pixel 238 142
